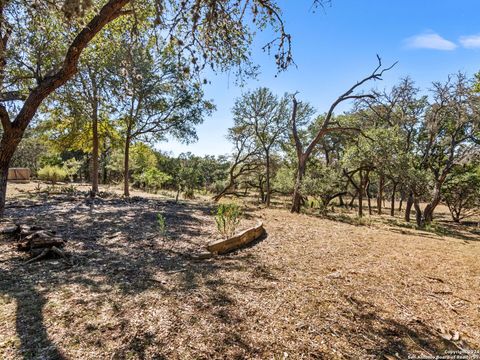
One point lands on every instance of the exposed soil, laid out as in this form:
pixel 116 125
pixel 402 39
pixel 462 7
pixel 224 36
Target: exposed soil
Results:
pixel 312 288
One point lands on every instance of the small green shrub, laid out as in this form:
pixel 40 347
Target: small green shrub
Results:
pixel 162 224
pixel 72 167
pixel 227 218
pixel 52 173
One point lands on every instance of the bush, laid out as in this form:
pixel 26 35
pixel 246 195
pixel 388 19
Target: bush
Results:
pixel 162 224
pixel 323 183
pixel 72 167
pixel 52 173
pixel 462 192
pixel 227 218
pixel 151 179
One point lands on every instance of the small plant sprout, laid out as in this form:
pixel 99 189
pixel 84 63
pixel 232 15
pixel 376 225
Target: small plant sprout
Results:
pixel 162 224
pixel 227 218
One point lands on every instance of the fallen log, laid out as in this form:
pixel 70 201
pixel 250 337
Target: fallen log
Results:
pixel 243 238
pixel 34 237
pixel 40 243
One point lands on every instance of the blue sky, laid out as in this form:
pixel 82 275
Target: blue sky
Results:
pixel 333 48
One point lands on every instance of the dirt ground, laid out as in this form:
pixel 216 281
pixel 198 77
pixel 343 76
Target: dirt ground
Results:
pixel 312 288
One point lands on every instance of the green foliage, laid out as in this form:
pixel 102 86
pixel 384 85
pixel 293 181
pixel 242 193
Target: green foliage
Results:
pixel 52 173
pixel 142 158
pixel 151 179
pixel 29 154
pixel 189 175
pixel 161 224
pixel 462 192
pixel 227 218
pixel 284 180
pixel 72 167
pixel 323 183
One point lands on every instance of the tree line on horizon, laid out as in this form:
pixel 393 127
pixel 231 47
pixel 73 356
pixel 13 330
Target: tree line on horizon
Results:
pixel 87 86
pixel 398 145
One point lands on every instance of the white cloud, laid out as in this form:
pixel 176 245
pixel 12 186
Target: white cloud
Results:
pixel 430 40
pixel 470 41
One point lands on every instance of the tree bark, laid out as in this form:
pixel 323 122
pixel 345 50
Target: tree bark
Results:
pixel 430 208
pixel 392 200
pixel 8 144
pixel 360 195
pixel 381 182
pixel 126 159
pixel 408 207
pixel 418 212
pixel 95 147
pixel 352 200
pixel 402 197
pixel 367 188
pixel 268 190
pixel 3 186
pixel 297 196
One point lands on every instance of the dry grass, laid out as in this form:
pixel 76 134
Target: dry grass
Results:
pixel 312 288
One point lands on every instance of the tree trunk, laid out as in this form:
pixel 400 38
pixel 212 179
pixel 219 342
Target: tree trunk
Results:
pixel 352 200
pixel 3 186
pixel 360 195
pixel 104 169
pixel 429 209
pixel 408 207
pixel 418 212
pixel 261 192
pixel 367 188
pixel 8 144
pixel 268 190
pixel 381 182
pixel 126 175
pixel 95 147
pixel 392 200
pixel 297 196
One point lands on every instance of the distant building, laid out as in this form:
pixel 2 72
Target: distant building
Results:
pixel 19 174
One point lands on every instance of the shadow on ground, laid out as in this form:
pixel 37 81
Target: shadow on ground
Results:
pixel 114 243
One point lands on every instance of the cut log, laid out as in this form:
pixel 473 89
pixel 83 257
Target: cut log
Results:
pixel 40 243
pixel 245 237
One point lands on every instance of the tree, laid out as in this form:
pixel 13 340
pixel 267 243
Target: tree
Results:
pixel 155 98
pixel 245 160
pixel 303 153
pixel 85 102
pixel 264 116
pixel 401 107
pixel 462 192
pixel 448 135
pixel 324 183
pixel 38 54
pixel 31 66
